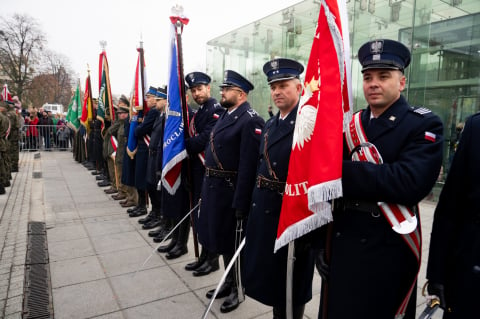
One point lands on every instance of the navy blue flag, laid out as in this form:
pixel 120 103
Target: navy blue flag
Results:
pixel 173 141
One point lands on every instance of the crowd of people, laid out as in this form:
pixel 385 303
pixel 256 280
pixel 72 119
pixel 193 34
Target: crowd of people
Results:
pixel 40 129
pixel 235 176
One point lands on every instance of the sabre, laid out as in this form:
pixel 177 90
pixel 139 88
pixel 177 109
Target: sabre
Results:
pixel 238 270
pixel 432 305
pixel 289 286
pixel 164 239
pixel 222 280
pixel 430 309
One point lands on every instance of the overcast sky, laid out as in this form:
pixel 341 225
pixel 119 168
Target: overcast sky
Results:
pixel 75 28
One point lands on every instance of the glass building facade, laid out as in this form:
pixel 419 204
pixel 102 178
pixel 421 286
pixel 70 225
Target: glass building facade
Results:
pixel 443 36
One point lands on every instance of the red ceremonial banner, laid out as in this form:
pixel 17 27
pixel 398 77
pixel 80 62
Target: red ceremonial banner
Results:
pixel 315 167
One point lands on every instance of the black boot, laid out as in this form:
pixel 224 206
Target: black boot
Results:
pixel 155 221
pixel 2 190
pixel 164 231
pixel 210 265
pixel 281 313
pixel 231 302
pixel 141 208
pixel 131 210
pixel 148 218
pixel 181 246
pixel 197 263
pixel 171 244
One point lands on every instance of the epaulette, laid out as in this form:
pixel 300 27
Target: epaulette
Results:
pixel 252 112
pixel 420 110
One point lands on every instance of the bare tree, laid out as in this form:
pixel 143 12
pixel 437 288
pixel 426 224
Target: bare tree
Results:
pixel 20 47
pixel 57 65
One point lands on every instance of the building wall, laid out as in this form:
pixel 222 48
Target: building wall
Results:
pixel 443 36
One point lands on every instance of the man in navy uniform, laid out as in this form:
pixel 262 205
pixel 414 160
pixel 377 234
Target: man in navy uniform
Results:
pixel 153 219
pixel 142 133
pixel 264 271
pixel 372 267
pixel 230 161
pixel 201 125
pixel 454 260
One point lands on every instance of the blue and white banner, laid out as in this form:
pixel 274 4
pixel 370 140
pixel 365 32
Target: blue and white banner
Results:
pixel 173 141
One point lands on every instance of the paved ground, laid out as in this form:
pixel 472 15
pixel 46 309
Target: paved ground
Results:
pixel 95 250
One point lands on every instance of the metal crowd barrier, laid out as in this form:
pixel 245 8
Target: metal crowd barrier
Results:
pixel 46 138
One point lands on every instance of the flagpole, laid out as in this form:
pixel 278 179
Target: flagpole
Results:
pixel 142 72
pixel 178 20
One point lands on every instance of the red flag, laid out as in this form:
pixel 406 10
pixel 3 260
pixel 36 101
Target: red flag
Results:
pixel 6 96
pixel 87 112
pixel 105 105
pixel 315 167
pixel 138 104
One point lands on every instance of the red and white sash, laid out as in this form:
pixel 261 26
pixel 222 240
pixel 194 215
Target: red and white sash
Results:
pixel 401 218
pixel 146 139
pixel 114 143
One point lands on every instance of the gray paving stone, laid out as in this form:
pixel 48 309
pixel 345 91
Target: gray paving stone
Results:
pixel 13 305
pixel 146 286
pixel 17 315
pixel 115 242
pixel 129 260
pixel 114 315
pixel 73 271
pixel 84 300
pixel 65 233
pixel 70 249
pixel 108 227
pixel 184 306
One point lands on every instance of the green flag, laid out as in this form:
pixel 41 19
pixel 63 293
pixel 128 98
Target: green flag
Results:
pixel 74 112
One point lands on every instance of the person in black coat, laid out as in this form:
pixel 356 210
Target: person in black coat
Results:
pixel 230 160
pixel 201 125
pixel 152 176
pixel 453 269
pixel 264 272
pixel 142 133
pixel 371 266
pixel 174 208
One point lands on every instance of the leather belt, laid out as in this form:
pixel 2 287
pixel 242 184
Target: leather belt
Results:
pixel 343 204
pixel 211 172
pixel 263 182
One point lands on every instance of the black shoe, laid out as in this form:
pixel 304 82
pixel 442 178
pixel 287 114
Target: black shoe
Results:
pixel 231 303
pixel 2 190
pixel 148 218
pixel 156 232
pixel 176 252
pixel 96 172
pixel 104 183
pixel 131 210
pixel 207 267
pixel 196 264
pixel 100 177
pixel 161 236
pixel 167 248
pixel 152 224
pixel 139 212
pixel 223 292
pixel 7 184
pixel 193 265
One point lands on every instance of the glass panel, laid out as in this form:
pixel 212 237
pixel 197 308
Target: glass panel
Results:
pixel 443 35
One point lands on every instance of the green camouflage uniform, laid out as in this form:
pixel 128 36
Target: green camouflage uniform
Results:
pixel 4 165
pixel 13 148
